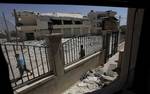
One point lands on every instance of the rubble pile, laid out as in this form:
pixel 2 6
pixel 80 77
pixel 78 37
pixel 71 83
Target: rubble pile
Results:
pixel 92 80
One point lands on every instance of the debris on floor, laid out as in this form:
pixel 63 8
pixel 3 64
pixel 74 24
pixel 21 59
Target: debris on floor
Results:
pixel 92 80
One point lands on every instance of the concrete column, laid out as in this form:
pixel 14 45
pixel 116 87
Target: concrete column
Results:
pixel 121 54
pixel 106 44
pixel 89 30
pixel 73 22
pixel 62 22
pixel 72 31
pixel 102 58
pixel 81 33
pixel 62 31
pixel 55 53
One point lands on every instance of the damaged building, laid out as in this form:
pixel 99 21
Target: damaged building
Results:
pixel 33 25
pixel 103 20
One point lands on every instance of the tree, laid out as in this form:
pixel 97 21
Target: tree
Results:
pixel 123 29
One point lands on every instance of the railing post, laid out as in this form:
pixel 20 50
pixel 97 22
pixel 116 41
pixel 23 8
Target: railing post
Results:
pixel 106 44
pixel 55 53
pixel 102 58
pixel 121 54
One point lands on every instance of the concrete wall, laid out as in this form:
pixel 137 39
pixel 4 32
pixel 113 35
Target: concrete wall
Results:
pixel 40 24
pixel 28 20
pixel 56 85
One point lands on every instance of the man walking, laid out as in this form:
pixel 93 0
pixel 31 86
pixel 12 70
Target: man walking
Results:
pixel 82 52
pixel 21 65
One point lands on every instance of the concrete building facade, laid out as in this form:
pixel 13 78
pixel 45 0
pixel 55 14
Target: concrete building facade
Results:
pixel 102 20
pixel 34 25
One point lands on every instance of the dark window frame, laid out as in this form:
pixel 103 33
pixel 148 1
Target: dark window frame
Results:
pixel 67 22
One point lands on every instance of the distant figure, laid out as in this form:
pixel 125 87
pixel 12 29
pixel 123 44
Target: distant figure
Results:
pixel 21 65
pixel 82 52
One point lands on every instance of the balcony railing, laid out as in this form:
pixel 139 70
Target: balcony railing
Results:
pixel 36 61
pixel 28 27
pixel 91 44
pixel 48 60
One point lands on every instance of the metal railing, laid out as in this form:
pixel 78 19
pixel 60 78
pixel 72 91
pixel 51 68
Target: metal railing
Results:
pixel 111 44
pixel 36 60
pixel 91 44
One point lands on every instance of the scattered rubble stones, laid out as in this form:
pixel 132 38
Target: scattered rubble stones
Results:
pixel 91 81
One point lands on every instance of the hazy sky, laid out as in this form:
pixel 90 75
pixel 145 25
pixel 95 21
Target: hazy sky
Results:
pixel 8 9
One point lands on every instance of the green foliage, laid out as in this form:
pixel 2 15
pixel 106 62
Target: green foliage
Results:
pixel 123 29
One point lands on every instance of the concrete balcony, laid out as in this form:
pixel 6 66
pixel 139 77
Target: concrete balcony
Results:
pixel 28 28
pixel 71 26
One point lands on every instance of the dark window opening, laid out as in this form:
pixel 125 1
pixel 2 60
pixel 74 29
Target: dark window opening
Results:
pixel 67 22
pixel 26 24
pixel 30 36
pixel 99 16
pixel 78 22
pixel 56 22
pixel 19 24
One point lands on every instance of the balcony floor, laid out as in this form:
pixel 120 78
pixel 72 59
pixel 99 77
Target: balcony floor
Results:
pixel 89 83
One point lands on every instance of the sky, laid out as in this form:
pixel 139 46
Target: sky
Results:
pixel 44 8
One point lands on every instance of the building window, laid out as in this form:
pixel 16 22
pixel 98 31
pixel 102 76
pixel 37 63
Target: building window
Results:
pixel 99 16
pixel 67 22
pixel 56 22
pixel 98 24
pixel 78 22
pixel 57 30
pixel 30 36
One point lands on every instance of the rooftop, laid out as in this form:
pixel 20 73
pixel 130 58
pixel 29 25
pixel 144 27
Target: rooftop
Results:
pixel 52 14
pixel 104 12
pixel 59 14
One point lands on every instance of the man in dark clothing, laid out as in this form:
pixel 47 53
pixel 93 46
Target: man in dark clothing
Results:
pixel 82 52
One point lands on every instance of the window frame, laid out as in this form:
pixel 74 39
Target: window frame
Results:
pixel 132 38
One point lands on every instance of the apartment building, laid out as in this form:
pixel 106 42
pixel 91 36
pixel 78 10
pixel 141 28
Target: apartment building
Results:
pixel 34 25
pixel 103 20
